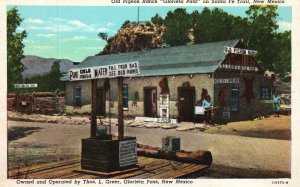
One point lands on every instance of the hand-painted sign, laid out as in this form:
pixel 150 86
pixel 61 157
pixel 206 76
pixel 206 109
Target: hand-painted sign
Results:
pixel 25 85
pixel 239 51
pixel 238 67
pixel 127 153
pixel 227 81
pixel 109 71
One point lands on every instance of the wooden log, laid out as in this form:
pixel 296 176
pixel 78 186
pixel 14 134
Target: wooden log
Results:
pixel 37 94
pixel 196 157
pixel 10 104
pixel 11 95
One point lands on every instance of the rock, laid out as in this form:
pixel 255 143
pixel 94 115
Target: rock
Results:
pixel 135 37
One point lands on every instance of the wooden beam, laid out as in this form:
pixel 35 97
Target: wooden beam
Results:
pixel 120 109
pixel 93 112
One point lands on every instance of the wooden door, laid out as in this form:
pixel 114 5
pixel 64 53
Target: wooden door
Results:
pixel 150 102
pixel 100 103
pixel 186 102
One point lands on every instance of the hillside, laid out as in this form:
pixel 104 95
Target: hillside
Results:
pixel 39 66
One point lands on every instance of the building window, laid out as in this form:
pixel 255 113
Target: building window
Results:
pixel 234 99
pixel 265 93
pixel 125 96
pixel 77 96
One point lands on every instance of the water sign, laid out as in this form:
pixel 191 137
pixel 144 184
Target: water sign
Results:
pixel 109 71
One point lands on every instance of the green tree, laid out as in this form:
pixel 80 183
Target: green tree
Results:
pixel 14 48
pixel 103 36
pixel 54 76
pixel 216 25
pixel 125 24
pixel 178 24
pixel 282 46
pixel 157 20
pixel 261 34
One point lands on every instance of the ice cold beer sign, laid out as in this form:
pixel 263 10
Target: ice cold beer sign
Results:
pixel 116 70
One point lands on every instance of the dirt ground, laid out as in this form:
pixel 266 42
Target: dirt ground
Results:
pixel 270 127
pixel 250 149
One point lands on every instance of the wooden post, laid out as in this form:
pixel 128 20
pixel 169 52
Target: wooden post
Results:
pixel 93 112
pixel 120 109
pixel 109 112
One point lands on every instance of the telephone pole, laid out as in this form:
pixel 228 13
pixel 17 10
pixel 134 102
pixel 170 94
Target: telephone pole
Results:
pixel 138 16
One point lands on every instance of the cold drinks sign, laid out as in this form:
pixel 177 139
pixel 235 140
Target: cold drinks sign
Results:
pixel 109 71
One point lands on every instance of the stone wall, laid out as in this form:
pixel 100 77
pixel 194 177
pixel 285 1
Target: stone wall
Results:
pixel 199 81
pixel 246 110
pixel 86 91
pixel 137 84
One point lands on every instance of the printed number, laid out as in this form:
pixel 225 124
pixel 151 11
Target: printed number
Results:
pixel 280 182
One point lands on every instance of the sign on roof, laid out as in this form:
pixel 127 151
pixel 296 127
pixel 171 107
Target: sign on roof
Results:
pixel 129 69
pixel 25 85
pixel 239 51
pixel 227 81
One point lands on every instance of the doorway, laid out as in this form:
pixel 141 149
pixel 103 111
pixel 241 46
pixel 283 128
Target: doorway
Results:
pixel 186 102
pixel 150 101
pixel 100 102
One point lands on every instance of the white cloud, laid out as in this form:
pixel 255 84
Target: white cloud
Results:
pixel 103 29
pixel 35 28
pixel 43 47
pixel 77 38
pixel 92 48
pixel 82 26
pixel 109 24
pixel 284 26
pixel 47 35
pixel 62 25
pixel 26 41
pixel 89 27
pixel 20 28
pixel 58 19
pixel 34 21
pixel 54 28
pixel 77 23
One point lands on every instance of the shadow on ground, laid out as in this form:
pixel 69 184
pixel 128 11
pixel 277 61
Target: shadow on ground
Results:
pixel 270 134
pixel 221 171
pixel 15 133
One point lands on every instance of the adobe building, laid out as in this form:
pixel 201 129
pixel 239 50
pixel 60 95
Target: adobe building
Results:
pixel 180 77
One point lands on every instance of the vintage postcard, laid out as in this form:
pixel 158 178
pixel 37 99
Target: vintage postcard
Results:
pixel 150 92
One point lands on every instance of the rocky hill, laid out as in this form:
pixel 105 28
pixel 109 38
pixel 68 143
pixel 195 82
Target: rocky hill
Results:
pixel 135 37
pixel 39 66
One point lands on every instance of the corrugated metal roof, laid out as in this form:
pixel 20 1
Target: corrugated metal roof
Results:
pixel 197 58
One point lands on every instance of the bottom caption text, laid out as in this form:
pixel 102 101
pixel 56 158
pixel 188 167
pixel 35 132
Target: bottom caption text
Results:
pixel 103 181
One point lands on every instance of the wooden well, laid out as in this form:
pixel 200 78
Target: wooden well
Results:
pixel 107 153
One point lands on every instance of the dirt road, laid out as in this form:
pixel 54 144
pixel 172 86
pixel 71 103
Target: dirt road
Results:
pixel 233 156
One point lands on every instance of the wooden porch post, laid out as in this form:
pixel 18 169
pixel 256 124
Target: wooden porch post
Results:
pixel 93 112
pixel 120 109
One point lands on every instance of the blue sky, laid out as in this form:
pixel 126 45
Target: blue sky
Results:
pixel 70 32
